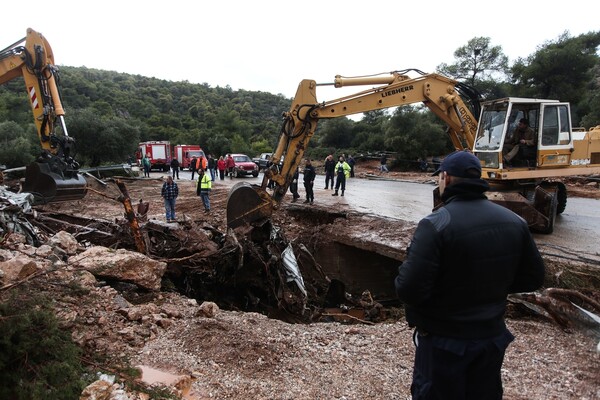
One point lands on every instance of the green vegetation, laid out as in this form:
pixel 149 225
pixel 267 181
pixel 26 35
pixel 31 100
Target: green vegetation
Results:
pixel 108 113
pixel 38 359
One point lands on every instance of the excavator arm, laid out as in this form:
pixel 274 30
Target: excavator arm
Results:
pixel 54 176
pixel 247 203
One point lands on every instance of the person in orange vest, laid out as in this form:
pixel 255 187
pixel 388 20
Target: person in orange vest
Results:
pixel 198 164
pixel 201 163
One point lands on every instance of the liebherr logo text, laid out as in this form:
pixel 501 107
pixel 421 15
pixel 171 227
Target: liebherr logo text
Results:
pixel 396 91
pixel 468 119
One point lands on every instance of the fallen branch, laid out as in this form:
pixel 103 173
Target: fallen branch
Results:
pixel 140 243
pixel 344 316
pixel 569 293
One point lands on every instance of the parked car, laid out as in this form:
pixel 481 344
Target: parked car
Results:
pixel 263 160
pixel 244 166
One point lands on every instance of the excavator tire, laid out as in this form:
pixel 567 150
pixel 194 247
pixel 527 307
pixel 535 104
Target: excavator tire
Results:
pixel 552 212
pixel 561 197
pixel 246 204
pixel 546 202
pixel 47 186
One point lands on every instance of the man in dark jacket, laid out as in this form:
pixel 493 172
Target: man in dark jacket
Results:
pixel 463 261
pixel 193 163
pixel 309 181
pixel 175 167
pixel 383 163
pixel 351 163
pixel 329 171
pixel 212 167
pixel 294 186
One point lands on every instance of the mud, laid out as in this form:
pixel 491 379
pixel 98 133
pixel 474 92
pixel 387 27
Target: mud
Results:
pixel 356 241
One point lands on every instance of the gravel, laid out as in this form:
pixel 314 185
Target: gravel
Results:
pixel 246 355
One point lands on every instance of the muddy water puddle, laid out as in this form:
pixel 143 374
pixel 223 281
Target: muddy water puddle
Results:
pixel 183 383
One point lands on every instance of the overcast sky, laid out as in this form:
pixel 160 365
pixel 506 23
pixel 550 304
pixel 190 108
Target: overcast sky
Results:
pixel 271 46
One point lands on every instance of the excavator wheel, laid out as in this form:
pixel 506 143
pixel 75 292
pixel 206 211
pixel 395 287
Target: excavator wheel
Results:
pixel 246 204
pixel 561 197
pixel 545 201
pixel 47 186
pixel 552 210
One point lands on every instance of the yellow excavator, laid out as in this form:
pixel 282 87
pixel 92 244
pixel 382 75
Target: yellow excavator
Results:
pixel 54 175
pixel 529 188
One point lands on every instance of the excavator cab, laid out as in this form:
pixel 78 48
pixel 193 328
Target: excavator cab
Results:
pixel 519 185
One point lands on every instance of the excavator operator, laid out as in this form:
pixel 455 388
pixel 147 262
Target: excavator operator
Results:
pixel 522 143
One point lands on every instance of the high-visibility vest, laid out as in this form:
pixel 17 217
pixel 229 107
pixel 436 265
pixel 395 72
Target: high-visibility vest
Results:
pixel 201 163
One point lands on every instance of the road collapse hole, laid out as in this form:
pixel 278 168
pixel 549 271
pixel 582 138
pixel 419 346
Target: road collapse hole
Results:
pixel 257 269
pixel 359 269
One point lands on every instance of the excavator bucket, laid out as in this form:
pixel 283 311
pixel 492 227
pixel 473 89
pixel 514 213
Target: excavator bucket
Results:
pixel 247 203
pixel 539 213
pixel 47 186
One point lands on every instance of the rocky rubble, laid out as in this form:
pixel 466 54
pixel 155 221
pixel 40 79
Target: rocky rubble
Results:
pixel 235 355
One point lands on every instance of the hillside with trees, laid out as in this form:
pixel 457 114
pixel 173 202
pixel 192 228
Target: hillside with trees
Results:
pixel 108 113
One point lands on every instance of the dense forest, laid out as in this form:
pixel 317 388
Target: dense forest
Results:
pixel 108 113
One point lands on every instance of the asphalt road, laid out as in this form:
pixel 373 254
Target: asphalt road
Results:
pixel 576 230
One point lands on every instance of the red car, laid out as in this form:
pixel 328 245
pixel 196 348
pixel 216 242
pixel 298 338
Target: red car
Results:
pixel 244 166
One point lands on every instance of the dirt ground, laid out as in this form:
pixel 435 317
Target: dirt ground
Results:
pixel 237 355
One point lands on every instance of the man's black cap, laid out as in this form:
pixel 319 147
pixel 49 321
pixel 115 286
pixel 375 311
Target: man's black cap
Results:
pixel 462 164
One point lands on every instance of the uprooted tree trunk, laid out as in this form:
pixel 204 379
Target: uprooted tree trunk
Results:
pixel 568 308
pixel 131 217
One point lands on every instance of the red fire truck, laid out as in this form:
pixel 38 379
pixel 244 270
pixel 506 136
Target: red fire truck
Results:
pixel 185 152
pixel 159 153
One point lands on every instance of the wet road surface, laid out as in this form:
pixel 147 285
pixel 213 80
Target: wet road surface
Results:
pixel 576 230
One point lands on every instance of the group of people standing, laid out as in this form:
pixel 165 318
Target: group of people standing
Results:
pixel 335 173
pixel 207 169
pixel 222 167
pixel 170 192
pixel 341 171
